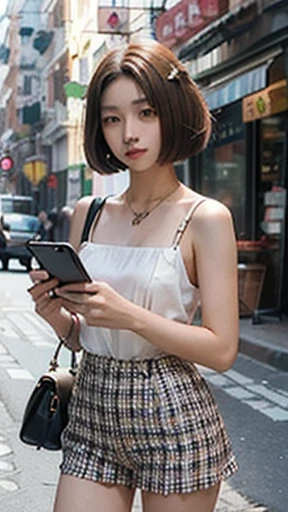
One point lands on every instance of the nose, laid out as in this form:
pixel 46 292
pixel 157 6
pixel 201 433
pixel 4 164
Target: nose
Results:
pixel 130 133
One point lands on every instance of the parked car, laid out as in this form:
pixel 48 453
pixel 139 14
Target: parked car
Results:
pixel 21 228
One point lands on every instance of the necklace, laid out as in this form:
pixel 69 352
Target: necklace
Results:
pixel 139 216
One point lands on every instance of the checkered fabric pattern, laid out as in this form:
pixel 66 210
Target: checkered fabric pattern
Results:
pixel 150 424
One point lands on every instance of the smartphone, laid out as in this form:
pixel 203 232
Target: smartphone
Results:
pixel 60 260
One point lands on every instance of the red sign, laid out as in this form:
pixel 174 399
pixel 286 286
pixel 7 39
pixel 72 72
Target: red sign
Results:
pixel 52 181
pixel 112 20
pixel 185 19
pixel 6 163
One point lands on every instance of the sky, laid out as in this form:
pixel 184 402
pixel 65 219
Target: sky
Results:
pixel 3 6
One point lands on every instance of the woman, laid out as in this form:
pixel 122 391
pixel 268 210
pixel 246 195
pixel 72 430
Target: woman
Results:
pixel 141 415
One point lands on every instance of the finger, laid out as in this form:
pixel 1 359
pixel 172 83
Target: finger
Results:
pixel 74 307
pixel 93 287
pixel 38 275
pixel 77 297
pixel 42 301
pixel 47 307
pixel 43 287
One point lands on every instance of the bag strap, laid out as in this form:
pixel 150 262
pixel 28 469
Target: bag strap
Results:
pixel 54 361
pixel 94 208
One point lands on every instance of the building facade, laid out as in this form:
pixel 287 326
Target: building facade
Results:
pixel 240 61
pixel 51 50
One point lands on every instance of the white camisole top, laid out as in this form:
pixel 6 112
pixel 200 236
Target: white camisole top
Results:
pixel 154 278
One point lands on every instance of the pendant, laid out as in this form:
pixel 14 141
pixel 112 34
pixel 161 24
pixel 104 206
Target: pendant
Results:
pixel 139 217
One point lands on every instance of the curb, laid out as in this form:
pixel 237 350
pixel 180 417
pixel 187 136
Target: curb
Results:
pixel 272 355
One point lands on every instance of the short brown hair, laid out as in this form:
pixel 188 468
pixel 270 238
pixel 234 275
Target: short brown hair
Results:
pixel 184 116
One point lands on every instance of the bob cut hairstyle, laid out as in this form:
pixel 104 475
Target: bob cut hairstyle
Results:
pixel 184 117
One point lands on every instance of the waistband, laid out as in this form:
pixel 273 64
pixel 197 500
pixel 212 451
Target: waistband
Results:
pixel 111 364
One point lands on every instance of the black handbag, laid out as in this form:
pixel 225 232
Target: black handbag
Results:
pixel 46 415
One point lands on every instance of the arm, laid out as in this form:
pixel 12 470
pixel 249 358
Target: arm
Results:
pixel 214 344
pixel 52 310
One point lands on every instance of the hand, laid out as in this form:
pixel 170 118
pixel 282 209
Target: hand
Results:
pixel 100 305
pixel 46 305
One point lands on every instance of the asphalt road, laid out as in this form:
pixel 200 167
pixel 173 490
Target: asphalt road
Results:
pixel 252 397
pixel 260 441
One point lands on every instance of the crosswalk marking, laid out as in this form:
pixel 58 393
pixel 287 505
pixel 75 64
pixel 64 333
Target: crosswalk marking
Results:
pixel 273 396
pixel 271 402
pixel 19 374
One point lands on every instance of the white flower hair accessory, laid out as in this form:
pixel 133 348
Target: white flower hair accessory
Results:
pixel 174 73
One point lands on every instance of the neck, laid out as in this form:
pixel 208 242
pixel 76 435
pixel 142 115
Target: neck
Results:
pixel 148 186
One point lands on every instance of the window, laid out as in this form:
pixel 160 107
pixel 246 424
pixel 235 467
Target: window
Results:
pixel 27 86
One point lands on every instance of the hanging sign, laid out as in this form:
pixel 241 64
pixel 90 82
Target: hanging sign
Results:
pixel 35 170
pixel 113 20
pixel 267 102
pixel 52 181
pixel 185 19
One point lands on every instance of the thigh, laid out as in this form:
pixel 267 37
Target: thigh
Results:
pixel 80 494
pixel 199 501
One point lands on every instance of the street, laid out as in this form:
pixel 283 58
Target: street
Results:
pixel 252 397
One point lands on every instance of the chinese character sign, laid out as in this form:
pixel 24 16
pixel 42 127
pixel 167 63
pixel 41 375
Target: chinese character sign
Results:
pixel 184 20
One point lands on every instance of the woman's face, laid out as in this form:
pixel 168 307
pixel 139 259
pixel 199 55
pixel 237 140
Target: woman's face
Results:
pixel 130 125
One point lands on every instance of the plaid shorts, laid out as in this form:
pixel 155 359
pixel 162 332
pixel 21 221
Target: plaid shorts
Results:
pixel 149 424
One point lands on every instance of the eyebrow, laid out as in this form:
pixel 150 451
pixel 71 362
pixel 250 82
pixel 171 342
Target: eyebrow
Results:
pixel 139 101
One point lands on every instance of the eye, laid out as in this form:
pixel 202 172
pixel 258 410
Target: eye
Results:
pixel 148 112
pixel 110 120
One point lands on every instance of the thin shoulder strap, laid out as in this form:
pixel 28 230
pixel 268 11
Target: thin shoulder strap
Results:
pixel 93 209
pixel 182 228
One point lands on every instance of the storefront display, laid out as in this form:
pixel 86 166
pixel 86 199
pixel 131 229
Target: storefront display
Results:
pixel 271 205
pixel 223 165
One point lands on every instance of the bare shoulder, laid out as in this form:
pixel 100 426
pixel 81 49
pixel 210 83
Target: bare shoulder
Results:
pixel 212 218
pixel 78 219
pixel 210 209
pixel 82 205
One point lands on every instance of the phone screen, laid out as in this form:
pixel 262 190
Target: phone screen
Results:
pixel 60 260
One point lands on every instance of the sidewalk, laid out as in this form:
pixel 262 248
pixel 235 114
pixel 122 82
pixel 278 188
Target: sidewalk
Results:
pixel 266 342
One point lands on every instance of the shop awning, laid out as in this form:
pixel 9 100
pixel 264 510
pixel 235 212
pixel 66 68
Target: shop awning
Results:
pixel 236 89
pixel 245 80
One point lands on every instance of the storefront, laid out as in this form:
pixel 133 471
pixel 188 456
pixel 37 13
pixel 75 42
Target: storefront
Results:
pixel 267 114
pixel 245 167
pixel 245 163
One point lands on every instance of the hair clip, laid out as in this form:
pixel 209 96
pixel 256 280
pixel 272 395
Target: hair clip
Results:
pixel 174 73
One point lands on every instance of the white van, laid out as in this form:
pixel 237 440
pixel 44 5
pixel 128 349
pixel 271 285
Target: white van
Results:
pixel 16 204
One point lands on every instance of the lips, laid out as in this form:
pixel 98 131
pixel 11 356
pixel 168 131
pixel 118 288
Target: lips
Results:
pixel 135 153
